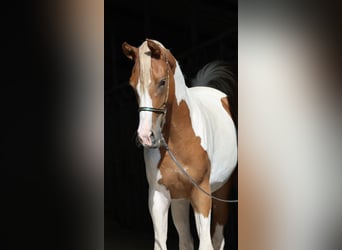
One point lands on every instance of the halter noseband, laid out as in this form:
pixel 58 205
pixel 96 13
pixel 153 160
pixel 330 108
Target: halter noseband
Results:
pixel 156 110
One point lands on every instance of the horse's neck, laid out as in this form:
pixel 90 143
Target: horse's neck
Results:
pixel 181 121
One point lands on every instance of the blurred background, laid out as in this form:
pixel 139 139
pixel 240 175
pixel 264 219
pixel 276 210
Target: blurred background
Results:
pixel 196 32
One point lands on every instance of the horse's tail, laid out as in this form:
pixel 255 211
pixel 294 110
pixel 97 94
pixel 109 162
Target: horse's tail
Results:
pixel 217 74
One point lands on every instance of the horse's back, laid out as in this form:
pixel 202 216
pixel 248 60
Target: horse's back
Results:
pixel 213 123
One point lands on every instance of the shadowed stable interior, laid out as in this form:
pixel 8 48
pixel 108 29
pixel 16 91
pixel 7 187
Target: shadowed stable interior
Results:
pixel 196 32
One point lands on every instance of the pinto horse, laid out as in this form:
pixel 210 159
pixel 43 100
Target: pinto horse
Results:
pixel 190 145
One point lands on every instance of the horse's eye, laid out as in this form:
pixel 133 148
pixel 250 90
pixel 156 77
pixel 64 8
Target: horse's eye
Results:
pixel 162 83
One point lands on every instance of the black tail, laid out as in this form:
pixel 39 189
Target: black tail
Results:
pixel 217 74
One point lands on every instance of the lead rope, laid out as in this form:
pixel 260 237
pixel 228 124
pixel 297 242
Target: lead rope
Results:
pixel 189 177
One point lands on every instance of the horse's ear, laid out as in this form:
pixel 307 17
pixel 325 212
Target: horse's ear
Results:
pixel 155 49
pixel 130 51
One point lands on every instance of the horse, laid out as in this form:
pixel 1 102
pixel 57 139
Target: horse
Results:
pixel 190 145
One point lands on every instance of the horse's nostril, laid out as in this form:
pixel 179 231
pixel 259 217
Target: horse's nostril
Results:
pixel 152 137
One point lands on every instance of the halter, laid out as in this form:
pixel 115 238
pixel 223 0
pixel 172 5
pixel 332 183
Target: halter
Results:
pixel 156 110
pixel 163 107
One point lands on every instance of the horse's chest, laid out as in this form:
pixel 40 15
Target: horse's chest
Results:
pixel 162 171
pixel 175 181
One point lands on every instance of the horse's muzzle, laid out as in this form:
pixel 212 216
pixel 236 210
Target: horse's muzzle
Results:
pixel 148 140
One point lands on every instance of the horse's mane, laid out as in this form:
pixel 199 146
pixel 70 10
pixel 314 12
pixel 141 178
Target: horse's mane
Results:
pixel 217 75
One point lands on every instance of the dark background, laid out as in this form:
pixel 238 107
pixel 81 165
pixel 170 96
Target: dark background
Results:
pixel 196 32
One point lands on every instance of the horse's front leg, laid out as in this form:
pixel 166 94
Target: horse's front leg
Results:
pixel 201 204
pixel 180 214
pixel 159 203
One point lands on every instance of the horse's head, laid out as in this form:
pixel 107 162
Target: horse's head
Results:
pixel 153 82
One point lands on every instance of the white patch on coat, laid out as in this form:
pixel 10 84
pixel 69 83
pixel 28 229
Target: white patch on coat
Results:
pixel 215 127
pixel 203 230
pixel 181 90
pixel 152 157
pixel 159 204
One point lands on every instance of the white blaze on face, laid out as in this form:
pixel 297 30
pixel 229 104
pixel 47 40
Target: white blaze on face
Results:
pixel 145 117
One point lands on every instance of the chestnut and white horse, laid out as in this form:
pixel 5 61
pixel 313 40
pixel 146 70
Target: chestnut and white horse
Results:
pixel 188 128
